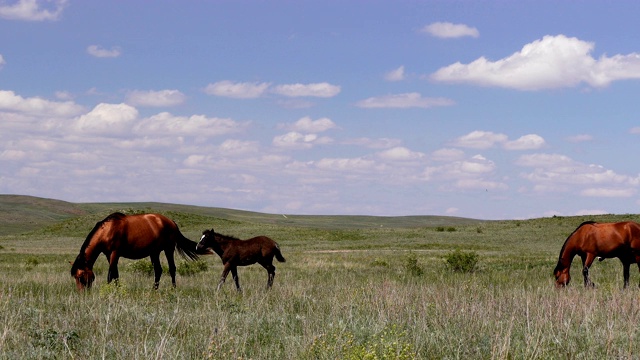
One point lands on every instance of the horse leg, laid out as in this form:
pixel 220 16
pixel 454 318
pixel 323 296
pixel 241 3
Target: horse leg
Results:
pixel 113 267
pixel 172 266
pixel 271 273
pixel 625 272
pixel 157 270
pixel 225 272
pixel 234 274
pixel 586 264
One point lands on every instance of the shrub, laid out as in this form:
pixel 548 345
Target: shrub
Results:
pixel 411 265
pixel 112 289
pixel 460 261
pixel 188 268
pixel 379 262
pixel 32 262
pixel 390 343
pixel 145 267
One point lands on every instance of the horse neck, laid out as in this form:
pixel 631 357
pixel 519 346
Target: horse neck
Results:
pixel 92 246
pixel 566 255
pixel 224 242
pixel 90 253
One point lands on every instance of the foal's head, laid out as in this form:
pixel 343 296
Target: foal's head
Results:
pixel 207 242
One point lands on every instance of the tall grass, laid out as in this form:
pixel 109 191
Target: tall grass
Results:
pixel 334 298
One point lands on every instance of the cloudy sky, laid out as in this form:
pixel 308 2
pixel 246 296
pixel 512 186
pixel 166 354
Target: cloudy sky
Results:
pixel 491 110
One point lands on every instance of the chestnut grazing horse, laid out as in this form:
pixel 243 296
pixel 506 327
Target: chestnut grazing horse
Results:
pixel 603 240
pixel 131 237
pixel 235 252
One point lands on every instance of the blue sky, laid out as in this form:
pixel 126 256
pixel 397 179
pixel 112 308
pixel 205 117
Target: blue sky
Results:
pixel 490 110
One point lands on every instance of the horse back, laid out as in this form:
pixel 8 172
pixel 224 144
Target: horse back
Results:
pixel 609 239
pixel 137 236
pixel 249 251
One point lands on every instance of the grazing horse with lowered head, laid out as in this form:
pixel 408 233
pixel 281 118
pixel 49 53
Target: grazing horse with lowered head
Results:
pixel 603 240
pixel 235 252
pixel 131 237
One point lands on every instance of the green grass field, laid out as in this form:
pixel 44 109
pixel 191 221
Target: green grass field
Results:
pixel 349 290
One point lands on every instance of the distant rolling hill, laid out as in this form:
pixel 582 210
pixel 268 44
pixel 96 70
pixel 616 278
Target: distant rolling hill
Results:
pixel 19 213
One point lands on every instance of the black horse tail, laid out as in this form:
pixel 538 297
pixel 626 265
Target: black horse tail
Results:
pixel 278 254
pixel 186 248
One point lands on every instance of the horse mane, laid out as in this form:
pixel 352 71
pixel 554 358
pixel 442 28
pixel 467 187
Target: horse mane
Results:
pixel 80 260
pixel 567 240
pixel 225 237
pixel 111 217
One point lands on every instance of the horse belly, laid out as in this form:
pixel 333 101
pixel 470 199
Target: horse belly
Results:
pixel 138 252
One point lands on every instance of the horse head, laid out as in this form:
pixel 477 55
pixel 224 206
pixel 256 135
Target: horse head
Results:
pixel 83 274
pixel 562 276
pixel 207 242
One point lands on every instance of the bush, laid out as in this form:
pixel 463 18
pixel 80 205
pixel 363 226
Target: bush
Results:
pixel 460 261
pixel 32 262
pixel 145 267
pixel 188 268
pixel 411 265
pixel 379 262
pixel 390 343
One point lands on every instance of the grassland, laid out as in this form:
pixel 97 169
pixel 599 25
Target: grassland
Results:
pixel 346 292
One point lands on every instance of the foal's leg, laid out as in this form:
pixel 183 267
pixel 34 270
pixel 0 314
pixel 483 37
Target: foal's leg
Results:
pixel 271 271
pixel 234 274
pixel 225 272
pixel 172 266
pixel 157 269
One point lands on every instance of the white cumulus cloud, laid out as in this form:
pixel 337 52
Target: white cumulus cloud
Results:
pixel 308 125
pixel 238 90
pixel 101 52
pixel 395 74
pixel 480 140
pixel 552 172
pixel 551 62
pixel 155 98
pixel 33 10
pixel 400 153
pixel 294 139
pixel 107 119
pixel 324 90
pixel 404 101
pixel 195 125
pixel 11 102
pixel 449 30
pixel 526 142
